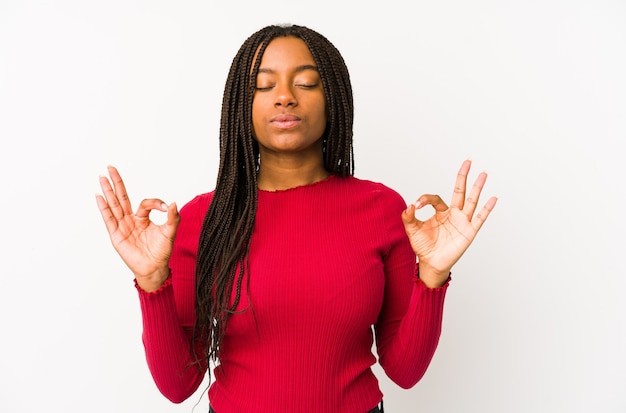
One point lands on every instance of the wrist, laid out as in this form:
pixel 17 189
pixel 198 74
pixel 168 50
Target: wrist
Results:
pixel 152 282
pixel 432 277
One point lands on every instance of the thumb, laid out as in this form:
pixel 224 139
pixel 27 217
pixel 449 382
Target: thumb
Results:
pixel 408 216
pixel 173 219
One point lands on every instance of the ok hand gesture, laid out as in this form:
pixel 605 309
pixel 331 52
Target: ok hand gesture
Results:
pixel 144 246
pixel 441 240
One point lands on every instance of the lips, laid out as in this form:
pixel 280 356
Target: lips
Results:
pixel 285 121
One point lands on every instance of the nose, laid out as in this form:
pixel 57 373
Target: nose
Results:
pixel 285 96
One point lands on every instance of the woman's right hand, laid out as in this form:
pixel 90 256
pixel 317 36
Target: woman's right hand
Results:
pixel 144 246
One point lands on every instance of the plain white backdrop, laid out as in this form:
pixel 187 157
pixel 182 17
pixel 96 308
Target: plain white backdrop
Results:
pixel 533 91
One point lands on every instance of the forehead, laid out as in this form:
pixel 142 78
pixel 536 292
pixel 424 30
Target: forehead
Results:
pixel 284 52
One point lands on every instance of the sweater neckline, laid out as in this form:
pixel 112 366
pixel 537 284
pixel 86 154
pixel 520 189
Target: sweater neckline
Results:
pixel 328 179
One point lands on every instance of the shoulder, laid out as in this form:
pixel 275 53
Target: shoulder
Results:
pixel 382 207
pixel 198 202
pixel 374 190
pixel 191 220
pixel 196 208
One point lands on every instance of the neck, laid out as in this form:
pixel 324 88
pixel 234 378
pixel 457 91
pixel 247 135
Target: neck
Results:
pixel 276 176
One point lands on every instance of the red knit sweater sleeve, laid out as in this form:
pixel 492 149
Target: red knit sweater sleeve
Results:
pixel 168 315
pixel 409 325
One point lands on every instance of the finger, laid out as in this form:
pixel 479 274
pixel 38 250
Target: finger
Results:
pixel 111 198
pixel 173 218
pixel 107 216
pixel 120 190
pixel 474 196
pixel 411 223
pixel 408 216
pixel 147 205
pixel 172 214
pixel 458 196
pixel 481 217
pixel 434 200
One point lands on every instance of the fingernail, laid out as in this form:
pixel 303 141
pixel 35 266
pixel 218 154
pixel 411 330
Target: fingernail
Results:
pixel 417 205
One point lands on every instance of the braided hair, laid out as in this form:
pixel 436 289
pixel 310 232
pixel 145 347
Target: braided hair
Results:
pixel 228 224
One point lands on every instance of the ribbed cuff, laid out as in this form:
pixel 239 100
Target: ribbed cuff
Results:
pixel 167 284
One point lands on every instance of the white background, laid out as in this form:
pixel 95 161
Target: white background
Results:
pixel 533 91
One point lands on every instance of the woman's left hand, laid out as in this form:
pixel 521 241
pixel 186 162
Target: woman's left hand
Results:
pixel 441 240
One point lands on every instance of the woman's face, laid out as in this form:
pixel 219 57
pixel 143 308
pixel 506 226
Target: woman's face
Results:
pixel 288 109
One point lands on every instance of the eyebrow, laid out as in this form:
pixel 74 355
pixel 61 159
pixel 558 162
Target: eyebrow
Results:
pixel 298 69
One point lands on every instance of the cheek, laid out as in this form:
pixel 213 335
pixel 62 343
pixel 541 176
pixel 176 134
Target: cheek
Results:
pixel 323 110
pixel 256 119
pixel 322 118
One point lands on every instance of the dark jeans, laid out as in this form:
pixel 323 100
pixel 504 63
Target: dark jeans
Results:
pixel 374 410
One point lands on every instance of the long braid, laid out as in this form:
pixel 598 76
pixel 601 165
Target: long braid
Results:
pixel 340 107
pixel 228 224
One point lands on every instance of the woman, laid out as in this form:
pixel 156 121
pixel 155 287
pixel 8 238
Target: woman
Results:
pixel 279 274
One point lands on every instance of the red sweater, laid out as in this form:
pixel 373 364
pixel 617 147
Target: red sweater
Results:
pixel 327 262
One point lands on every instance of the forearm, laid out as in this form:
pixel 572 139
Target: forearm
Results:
pixel 168 346
pixel 406 353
